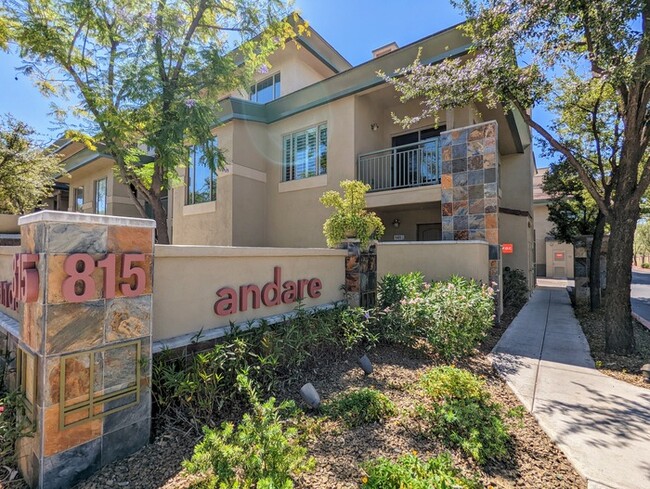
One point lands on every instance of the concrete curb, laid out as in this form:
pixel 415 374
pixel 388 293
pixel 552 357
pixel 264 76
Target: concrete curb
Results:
pixel 642 320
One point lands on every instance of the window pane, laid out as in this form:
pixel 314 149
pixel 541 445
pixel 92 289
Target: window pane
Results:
pixel 201 181
pixel 276 86
pixel 312 152
pixel 300 155
pixel 78 199
pixel 100 196
pixel 265 91
pixel 286 159
pixel 322 150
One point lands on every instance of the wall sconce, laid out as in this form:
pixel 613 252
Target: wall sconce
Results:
pixel 374 127
pixel 396 223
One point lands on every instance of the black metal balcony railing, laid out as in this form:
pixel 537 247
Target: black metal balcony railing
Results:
pixel 411 165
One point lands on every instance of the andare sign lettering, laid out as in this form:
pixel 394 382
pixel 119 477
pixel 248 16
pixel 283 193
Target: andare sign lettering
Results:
pixel 231 301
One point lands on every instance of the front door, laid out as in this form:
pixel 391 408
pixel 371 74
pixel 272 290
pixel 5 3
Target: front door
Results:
pixel 430 232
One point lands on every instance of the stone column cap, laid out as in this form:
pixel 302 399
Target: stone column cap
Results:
pixel 81 218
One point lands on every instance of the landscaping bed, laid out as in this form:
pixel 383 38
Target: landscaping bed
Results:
pixel 433 413
pixel 622 367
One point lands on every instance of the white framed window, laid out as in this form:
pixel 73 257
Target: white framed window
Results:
pixel 266 90
pixel 201 180
pixel 101 191
pixel 78 199
pixel 304 153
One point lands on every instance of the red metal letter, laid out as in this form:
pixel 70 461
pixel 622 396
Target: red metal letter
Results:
pixel 313 288
pixel 108 264
pixel 128 271
pixel 69 284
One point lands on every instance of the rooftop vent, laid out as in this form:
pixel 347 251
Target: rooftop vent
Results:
pixel 388 48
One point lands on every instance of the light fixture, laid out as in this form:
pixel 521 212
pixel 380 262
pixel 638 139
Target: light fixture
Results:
pixel 396 223
pixel 645 370
pixel 364 363
pixel 374 127
pixel 310 396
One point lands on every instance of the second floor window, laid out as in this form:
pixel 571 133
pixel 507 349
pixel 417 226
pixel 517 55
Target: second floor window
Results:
pixel 100 196
pixel 201 180
pixel 266 90
pixel 304 153
pixel 78 199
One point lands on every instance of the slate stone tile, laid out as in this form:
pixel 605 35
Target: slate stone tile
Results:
pixel 32 238
pixel 476 222
pixel 447 224
pixel 124 442
pixel 493 251
pixel 491 175
pixel 490 130
pixel 476 192
pixel 458 151
pixel 459 136
pixel 363 263
pixel 491 221
pixel 73 327
pixel 128 317
pixel 462 235
pixel 120 366
pixel 460 208
pixel 476 206
pixel 580 267
pixel 65 469
pixel 491 205
pixel 460 223
pixel 446 167
pixel 445 139
pixel 490 190
pixel 56 275
pixel 474 148
pixel 447 209
pixel 447 196
pixel 460 179
pixel 77 374
pixel 446 181
pixel 126 417
pixel 492 236
pixel 489 160
pixel 459 165
pixel 77 238
pixel 476 234
pixel 460 193
pixel 489 145
pixel 447 235
pixel 57 440
pixel 31 327
pixel 476 133
pixel 123 239
pixel 475 177
pixel 352 281
pixel 146 265
pixel 475 163
pixel 446 153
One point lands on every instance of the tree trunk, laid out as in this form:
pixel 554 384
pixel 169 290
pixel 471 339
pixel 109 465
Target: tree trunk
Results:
pixel 594 262
pixel 160 216
pixel 619 333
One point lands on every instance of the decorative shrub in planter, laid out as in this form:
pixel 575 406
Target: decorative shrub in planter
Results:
pixel 350 218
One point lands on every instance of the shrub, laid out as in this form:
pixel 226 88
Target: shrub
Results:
pixel 645 265
pixel 413 473
pixel 363 406
pixel 393 288
pixel 447 382
pixel 350 217
pixel 515 288
pixel 462 414
pixel 14 424
pixel 260 453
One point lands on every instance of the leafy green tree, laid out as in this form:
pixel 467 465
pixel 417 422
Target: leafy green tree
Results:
pixel 587 47
pixel 642 240
pixel 26 171
pixel 148 74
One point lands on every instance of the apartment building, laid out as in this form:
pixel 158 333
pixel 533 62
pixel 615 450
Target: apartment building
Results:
pixel 311 120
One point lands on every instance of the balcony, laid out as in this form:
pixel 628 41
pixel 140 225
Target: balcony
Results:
pixel 411 165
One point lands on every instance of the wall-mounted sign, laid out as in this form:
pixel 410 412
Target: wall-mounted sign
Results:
pixel 507 248
pixel 24 286
pixel 398 237
pixel 231 301
pixel 79 285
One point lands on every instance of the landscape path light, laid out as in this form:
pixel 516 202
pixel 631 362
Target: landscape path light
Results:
pixel 645 370
pixel 364 363
pixel 310 396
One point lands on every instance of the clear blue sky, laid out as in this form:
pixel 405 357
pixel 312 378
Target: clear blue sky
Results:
pixel 352 27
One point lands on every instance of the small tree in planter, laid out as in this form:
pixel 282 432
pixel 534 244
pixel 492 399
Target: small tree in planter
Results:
pixel 350 218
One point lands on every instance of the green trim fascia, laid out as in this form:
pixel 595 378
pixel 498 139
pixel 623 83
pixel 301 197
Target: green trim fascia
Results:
pixel 316 54
pixel 239 109
pixel 78 161
pixel 512 124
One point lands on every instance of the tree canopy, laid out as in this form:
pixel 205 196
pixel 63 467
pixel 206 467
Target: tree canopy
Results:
pixel 27 172
pixel 573 48
pixel 148 74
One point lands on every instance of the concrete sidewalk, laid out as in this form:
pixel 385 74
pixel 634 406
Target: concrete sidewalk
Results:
pixel 600 423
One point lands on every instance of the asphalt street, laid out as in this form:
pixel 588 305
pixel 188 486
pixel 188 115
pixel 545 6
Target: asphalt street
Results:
pixel 640 294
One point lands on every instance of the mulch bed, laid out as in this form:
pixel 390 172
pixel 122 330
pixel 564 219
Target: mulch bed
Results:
pixel 535 463
pixel 622 367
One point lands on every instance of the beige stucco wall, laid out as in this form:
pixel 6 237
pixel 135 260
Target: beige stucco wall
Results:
pixel 9 224
pixel 553 266
pixel 409 220
pixel 518 230
pixel 188 277
pixel 437 260
pixel 543 228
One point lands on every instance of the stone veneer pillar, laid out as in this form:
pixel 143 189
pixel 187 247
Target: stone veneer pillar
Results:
pixel 469 181
pixel 95 353
pixel 360 274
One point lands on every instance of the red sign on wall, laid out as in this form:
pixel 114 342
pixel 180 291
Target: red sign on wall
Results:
pixel 507 248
